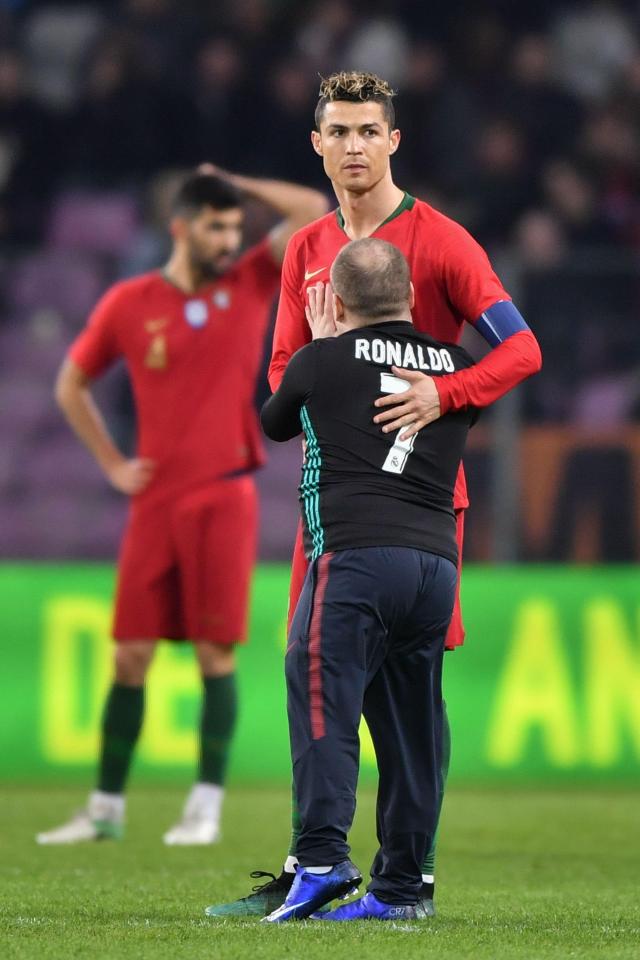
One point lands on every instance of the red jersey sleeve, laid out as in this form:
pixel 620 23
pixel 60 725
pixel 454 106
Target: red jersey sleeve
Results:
pixel 96 347
pixel 291 330
pixel 469 278
pixel 472 287
pixel 258 265
pixel 505 367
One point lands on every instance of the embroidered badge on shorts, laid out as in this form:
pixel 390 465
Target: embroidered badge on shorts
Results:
pixel 196 313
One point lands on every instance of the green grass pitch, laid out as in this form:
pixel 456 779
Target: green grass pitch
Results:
pixel 526 874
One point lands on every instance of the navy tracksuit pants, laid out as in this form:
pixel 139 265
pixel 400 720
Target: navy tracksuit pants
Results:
pixel 367 638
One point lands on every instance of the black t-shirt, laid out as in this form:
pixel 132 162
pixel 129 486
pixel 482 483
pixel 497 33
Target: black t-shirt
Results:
pixel 361 487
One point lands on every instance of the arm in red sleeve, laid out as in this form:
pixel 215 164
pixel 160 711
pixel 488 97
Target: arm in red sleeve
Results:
pixel 508 364
pixel 477 294
pixel 96 347
pixel 291 329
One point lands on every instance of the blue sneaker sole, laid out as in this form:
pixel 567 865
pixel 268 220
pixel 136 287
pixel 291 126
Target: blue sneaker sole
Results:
pixel 370 908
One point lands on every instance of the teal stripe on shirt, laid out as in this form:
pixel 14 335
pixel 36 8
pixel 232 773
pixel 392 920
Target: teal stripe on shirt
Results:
pixel 310 486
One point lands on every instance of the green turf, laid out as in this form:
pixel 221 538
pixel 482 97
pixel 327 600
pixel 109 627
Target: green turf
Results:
pixel 521 874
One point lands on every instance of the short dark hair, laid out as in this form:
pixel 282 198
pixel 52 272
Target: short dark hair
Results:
pixel 204 190
pixel 356 86
pixel 372 278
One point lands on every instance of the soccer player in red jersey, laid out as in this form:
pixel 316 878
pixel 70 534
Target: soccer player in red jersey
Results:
pixel 454 283
pixel 191 336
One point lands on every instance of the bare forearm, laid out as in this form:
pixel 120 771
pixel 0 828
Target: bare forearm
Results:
pixel 288 199
pixel 295 205
pixel 85 420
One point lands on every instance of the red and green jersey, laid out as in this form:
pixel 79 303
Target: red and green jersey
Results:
pixel 193 360
pixel 454 282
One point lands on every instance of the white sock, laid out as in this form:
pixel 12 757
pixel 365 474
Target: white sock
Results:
pixel 290 864
pixel 428 878
pixel 106 806
pixel 318 869
pixel 205 799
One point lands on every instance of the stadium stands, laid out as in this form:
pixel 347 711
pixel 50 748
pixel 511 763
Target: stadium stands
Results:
pixel 522 123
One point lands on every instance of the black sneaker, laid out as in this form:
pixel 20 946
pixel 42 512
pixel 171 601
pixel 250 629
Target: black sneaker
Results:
pixel 425 906
pixel 266 897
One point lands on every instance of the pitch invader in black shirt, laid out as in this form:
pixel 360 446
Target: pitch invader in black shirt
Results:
pixel 360 487
pixel 368 633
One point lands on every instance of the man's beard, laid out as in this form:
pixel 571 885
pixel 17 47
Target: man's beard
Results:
pixel 208 269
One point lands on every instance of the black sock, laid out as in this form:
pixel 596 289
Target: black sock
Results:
pixel 121 725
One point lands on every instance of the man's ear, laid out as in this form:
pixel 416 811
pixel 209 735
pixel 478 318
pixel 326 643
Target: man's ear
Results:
pixel 177 228
pixel 316 142
pixel 338 308
pixel 394 141
pixel 412 296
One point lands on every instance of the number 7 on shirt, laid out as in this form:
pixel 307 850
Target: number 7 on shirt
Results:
pixel 397 457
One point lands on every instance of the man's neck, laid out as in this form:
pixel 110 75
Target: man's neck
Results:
pixel 179 272
pixel 357 323
pixel 363 213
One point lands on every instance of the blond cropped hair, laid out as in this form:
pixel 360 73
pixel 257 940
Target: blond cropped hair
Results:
pixel 356 86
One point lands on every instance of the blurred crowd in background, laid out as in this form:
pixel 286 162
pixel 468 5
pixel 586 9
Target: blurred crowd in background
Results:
pixel 522 121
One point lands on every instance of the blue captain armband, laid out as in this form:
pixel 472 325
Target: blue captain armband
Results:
pixel 500 322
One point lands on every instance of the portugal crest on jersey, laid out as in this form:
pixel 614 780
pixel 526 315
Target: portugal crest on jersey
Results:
pixel 196 313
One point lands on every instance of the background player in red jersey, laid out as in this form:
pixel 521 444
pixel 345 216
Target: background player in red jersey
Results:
pixel 454 282
pixel 191 336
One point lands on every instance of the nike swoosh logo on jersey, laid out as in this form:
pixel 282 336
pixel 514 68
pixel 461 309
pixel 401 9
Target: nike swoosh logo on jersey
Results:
pixel 313 273
pixel 153 326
